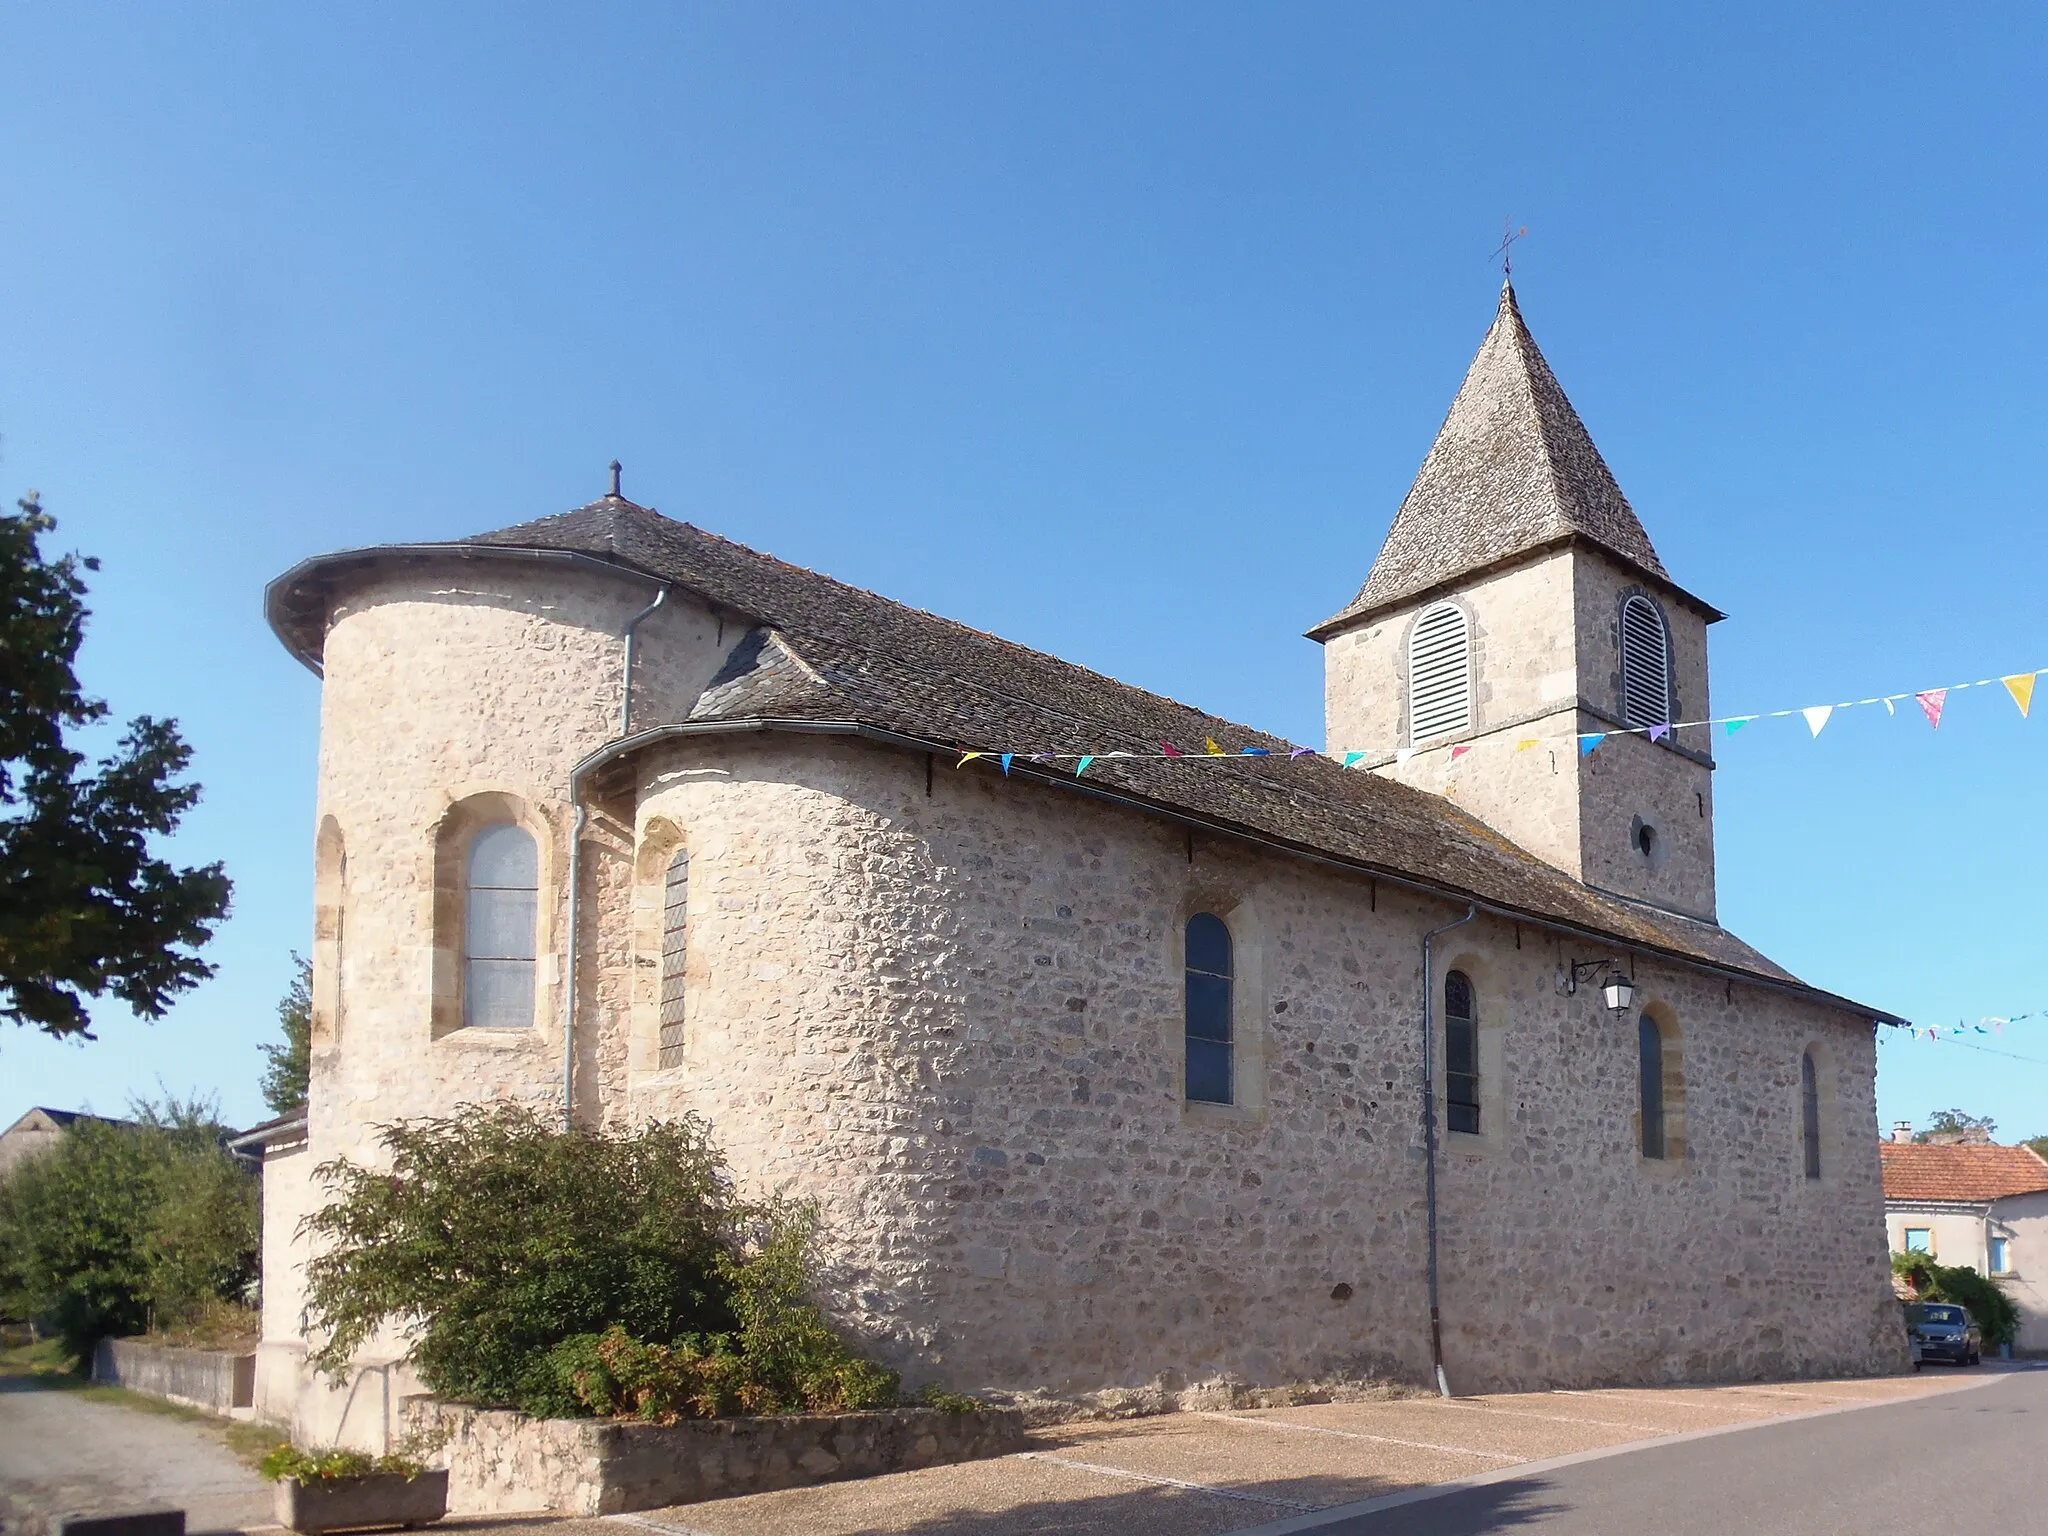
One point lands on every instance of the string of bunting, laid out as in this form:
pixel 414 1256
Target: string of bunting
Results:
pixel 1990 1024
pixel 1933 704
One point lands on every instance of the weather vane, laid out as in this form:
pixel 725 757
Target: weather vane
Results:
pixel 1506 249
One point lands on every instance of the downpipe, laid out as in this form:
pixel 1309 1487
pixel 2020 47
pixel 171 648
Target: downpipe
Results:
pixel 576 866
pixel 1436 1322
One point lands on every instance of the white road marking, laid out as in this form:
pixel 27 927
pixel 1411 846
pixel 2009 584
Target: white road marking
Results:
pixel 1548 1418
pixel 654 1525
pixel 1353 1434
pixel 1164 1482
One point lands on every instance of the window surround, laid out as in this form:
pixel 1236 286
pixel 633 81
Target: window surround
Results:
pixel 1645 661
pixel 1451 724
pixel 1926 1247
pixel 464 817
pixel 1998 1254
pixel 661 839
pixel 1672 1040
pixel 1813 1162
pixel 1248 1006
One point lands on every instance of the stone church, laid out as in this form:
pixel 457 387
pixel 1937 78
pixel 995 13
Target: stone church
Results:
pixel 1176 1071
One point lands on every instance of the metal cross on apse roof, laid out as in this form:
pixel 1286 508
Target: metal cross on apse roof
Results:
pixel 1506 249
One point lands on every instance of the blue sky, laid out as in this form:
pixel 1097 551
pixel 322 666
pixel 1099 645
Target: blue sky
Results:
pixel 1118 330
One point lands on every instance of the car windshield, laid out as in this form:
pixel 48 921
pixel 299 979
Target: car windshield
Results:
pixel 1953 1315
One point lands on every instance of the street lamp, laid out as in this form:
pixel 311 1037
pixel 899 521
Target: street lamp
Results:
pixel 1618 992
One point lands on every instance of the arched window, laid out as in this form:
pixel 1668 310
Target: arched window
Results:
pixel 1645 664
pixel 1809 1114
pixel 675 913
pixel 1439 673
pixel 501 908
pixel 1650 1046
pixel 1461 1054
pixel 1209 980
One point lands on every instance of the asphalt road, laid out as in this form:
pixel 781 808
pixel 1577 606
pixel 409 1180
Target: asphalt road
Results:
pixel 1961 1461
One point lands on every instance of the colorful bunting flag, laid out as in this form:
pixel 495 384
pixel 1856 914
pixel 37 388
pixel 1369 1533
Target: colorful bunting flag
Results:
pixel 1732 726
pixel 1401 756
pixel 1256 752
pixel 1459 751
pixel 1659 732
pixel 1527 742
pixel 1588 743
pixel 1352 757
pixel 2021 686
pixel 1817 717
pixel 1932 702
pixel 1082 766
pixel 1171 750
pixel 1209 744
pixel 1301 752
pixel 1006 761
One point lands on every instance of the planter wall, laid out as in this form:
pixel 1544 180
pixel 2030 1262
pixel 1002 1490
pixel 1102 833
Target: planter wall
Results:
pixel 215 1380
pixel 500 1461
pixel 350 1503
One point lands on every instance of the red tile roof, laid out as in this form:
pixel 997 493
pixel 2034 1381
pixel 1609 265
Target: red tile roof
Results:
pixel 1969 1172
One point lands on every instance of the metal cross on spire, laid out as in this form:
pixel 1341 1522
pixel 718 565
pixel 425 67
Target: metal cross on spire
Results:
pixel 1506 249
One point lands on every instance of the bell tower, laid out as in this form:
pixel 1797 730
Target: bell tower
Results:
pixel 1516 612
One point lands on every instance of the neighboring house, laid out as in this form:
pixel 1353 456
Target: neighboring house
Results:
pixel 1971 1202
pixel 38 1131
pixel 1108 1079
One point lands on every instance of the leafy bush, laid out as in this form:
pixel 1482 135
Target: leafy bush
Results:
pixel 783 1357
pixel 301 1466
pixel 578 1272
pixel 119 1226
pixel 1994 1312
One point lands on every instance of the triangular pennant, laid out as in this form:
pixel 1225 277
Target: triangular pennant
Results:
pixel 1659 732
pixel 1209 745
pixel 1588 743
pixel 1459 751
pixel 1401 755
pixel 1891 706
pixel 1170 749
pixel 1817 716
pixel 1007 756
pixel 1082 766
pixel 1352 757
pixel 1933 701
pixel 968 757
pixel 1527 742
pixel 1732 726
pixel 1301 752
pixel 1255 752
pixel 2021 686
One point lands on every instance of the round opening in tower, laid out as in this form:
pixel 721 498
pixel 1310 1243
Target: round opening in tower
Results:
pixel 1646 839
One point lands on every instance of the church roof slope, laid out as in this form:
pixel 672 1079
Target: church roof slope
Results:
pixel 1513 470
pixel 1965 1172
pixel 821 652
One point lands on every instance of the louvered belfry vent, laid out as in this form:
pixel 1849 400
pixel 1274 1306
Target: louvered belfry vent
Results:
pixel 1439 673
pixel 1645 664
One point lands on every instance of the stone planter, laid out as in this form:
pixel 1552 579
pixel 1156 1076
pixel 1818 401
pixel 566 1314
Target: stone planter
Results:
pixel 352 1503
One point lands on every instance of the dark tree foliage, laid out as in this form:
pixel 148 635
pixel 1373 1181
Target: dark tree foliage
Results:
pixel 121 1225
pixel 2039 1144
pixel 498 1237
pixel 85 910
pixel 289 1065
pixel 1953 1122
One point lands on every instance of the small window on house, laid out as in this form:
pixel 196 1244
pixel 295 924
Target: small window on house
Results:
pixel 1209 980
pixel 1650 1047
pixel 1645 664
pixel 675 913
pixel 2001 1256
pixel 1439 673
pixel 1809 1114
pixel 1461 1055
pixel 502 907
pixel 1919 1240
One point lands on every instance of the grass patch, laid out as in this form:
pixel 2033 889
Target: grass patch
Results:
pixel 46 1357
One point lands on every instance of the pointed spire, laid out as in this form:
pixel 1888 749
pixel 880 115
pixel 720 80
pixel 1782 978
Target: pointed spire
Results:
pixel 1513 469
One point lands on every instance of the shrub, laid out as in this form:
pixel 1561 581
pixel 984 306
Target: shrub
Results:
pixel 302 1466
pixel 577 1272
pixel 1994 1312
pixel 119 1226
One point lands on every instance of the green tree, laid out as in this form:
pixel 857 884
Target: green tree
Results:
pixel 290 1064
pixel 1953 1122
pixel 2039 1144
pixel 1995 1313
pixel 122 1225
pixel 85 909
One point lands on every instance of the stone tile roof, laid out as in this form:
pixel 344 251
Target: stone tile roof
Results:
pixel 1512 470
pixel 1964 1172
pixel 822 650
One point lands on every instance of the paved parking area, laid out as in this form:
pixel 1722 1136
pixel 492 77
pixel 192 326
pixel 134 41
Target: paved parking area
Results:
pixel 1210 1473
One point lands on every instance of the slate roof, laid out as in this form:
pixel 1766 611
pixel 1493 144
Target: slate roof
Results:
pixel 1966 1172
pixel 1513 470
pixel 817 650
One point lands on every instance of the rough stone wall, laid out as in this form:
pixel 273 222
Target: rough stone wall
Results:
pixel 955 1019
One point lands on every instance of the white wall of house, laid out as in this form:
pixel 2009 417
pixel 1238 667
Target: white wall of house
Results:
pixel 1963 1234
